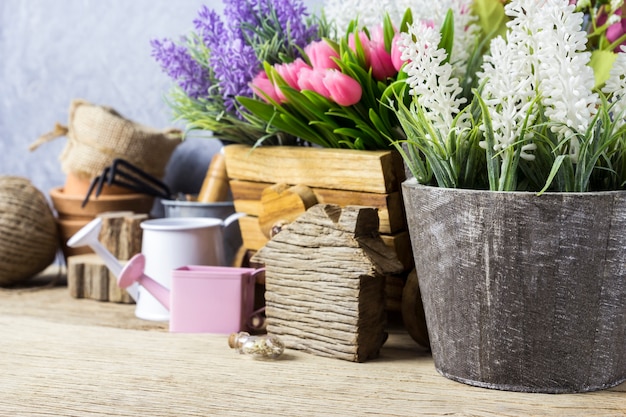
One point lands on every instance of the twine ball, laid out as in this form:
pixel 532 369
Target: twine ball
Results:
pixel 29 238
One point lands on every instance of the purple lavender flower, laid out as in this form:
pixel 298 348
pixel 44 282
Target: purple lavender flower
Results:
pixel 177 63
pixel 235 70
pixel 235 49
pixel 210 28
pixel 241 13
pixel 233 61
pixel 290 16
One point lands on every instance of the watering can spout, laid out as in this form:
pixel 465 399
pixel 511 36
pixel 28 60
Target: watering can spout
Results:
pixel 133 273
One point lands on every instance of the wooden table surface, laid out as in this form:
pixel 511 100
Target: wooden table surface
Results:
pixel 61 356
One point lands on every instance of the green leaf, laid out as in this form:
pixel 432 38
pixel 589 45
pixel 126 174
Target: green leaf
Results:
pixel 407 20
pixel 493 165
pixel 388 32
pixel 555 169
pixel 447 34
pixel 491 16
pixel 263 110
pixel 602 62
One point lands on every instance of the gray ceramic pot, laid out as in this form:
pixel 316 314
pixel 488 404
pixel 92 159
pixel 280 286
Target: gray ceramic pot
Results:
pixel 522 292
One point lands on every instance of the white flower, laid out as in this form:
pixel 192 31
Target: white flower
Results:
pixel 508 93
pixel 616 87
pixel 546 52
pixel 430 79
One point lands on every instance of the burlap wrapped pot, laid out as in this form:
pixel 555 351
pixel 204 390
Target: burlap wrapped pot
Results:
pixel 28 231
pixel 98 134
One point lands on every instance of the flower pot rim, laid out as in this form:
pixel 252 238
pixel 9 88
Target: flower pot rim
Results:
pixel 413 183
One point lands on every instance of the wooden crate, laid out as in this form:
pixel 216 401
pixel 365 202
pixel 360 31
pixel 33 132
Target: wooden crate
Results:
pixel 336 176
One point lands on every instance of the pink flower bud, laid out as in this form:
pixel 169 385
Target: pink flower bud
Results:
pixel 365 43
pixel 343 90
pixel 313 79
pixel 263 87
pixel 321 55
pixel 616 30
pixel 380 59
pixel 396 53
pixel 289 72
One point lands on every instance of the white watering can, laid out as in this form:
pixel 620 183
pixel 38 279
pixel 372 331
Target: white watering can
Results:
pixel 167 243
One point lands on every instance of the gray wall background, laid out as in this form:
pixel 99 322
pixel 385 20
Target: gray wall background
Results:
pixel 54 51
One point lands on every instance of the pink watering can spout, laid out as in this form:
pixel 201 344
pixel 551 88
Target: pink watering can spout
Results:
pixel 133 272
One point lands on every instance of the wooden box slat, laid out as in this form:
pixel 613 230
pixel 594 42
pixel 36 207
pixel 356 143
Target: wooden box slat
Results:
pixel 344 169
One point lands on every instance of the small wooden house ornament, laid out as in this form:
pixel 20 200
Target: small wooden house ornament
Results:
pixel 325 279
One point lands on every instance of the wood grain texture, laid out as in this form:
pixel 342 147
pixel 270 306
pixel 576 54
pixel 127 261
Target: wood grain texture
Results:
pixel 88 277
pixel 345 169
pixel 325 282
pixel 523 292
pixel 282 203
pixel 62 356
pixel 254 239
pixel 247 199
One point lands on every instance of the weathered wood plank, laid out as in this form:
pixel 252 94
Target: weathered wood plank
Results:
pixel 88 277
pixel 371 171
pixel 106 362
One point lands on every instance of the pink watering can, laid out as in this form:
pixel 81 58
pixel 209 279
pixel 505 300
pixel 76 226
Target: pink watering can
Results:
pixel 202 299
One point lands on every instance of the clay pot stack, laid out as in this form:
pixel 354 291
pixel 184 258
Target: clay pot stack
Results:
pixel 71 216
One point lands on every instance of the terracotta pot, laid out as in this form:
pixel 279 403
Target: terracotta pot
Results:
pixel 69 206
pixel 522 292
pixel 79 186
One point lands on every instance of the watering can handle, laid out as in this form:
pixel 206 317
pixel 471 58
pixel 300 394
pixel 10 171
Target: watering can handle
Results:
pixel 230 219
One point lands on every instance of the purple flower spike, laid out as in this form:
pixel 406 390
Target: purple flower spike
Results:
pixel 176 62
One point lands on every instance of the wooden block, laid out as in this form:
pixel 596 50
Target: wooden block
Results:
pixel 75 274
pixel 111 228
pixel 325 278
pixel 96 281
pixel 247 199
pixel 88 277
pixel 131 235
pixel 344 169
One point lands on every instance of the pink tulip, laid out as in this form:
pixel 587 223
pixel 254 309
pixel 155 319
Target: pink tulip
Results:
pixel 343 90
pixel 617 30
pixel 396 53
pixel 380 59
pixel 263 87
pixel 365 43
pixel 321 55
pixel 313 79
pixel 290 73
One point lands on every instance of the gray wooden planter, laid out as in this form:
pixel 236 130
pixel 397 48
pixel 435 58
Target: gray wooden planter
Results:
pixel 521 292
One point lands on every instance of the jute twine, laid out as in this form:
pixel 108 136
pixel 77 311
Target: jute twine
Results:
pixel 29 238
pixel 99 134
